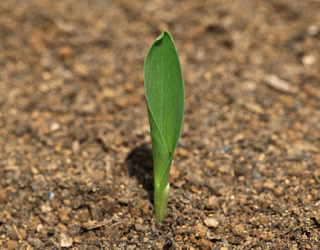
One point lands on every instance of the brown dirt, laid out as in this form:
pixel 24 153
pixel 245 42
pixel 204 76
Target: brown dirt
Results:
pixel 75 159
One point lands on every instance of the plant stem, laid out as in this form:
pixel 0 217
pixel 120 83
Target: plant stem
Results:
pixel 160 201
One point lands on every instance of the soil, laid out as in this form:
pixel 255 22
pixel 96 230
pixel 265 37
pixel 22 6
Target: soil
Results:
pixel 75 150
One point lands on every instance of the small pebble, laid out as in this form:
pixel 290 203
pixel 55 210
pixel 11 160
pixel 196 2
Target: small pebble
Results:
pixel 54 126
pixel 75 146
pixel 212 202
pixel 65 241
pixel 3 196
pixel 238 230
pixel 313 30
pixel 279 84
pixel 12 245
pixel 51 195
pixel 308 60
pixel 45 208
pixel 39 228
pixel 211 222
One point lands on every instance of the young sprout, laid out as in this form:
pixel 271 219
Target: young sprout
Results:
pixel 165 102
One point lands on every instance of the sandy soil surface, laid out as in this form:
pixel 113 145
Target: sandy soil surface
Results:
pixel 75 149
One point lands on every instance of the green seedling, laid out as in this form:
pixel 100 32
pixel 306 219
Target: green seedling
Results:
pixel 165 102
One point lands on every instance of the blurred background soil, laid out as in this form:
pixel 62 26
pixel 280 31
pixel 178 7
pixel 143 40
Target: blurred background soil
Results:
pixel 75 150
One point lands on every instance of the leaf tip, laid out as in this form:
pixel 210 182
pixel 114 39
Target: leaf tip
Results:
pixel 163 33
pixel 160 36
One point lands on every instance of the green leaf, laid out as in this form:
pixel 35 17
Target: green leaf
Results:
pixel 165 101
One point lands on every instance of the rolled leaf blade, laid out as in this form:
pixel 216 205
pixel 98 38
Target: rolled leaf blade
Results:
pixel 164 88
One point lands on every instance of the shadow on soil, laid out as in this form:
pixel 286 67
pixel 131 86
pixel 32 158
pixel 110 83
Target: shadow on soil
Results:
pixel 139 164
